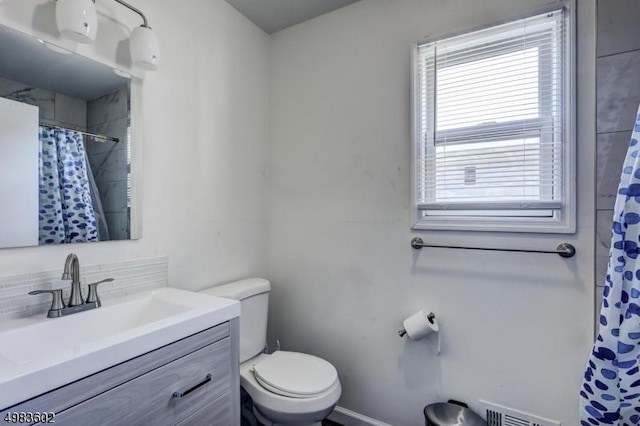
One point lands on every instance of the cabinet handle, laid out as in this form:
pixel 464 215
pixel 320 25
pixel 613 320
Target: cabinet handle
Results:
pixel 182 393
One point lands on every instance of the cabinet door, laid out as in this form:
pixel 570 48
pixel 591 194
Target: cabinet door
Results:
pixel 214 414
pixel 150 399
pixel 82 390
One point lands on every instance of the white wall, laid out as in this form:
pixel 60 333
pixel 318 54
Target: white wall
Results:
pixel 204 119
pixel 516 328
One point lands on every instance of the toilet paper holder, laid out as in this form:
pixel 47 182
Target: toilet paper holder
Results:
pixel 421 325
pixel 430 317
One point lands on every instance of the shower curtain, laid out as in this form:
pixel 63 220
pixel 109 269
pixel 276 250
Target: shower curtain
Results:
pixel 610 391
pixel 66 214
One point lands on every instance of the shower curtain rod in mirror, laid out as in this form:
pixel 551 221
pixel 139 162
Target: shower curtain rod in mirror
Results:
pixel 93 135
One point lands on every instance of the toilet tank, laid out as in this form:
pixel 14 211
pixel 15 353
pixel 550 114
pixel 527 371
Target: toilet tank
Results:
pixel 253 294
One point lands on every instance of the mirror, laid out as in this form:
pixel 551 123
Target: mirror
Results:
pixel 65 135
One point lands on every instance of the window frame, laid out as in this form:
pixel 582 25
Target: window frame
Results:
pixel 559 220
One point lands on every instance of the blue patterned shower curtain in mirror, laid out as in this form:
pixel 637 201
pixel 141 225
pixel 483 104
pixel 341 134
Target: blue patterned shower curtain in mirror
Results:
pixel 66 212
pixel 610 391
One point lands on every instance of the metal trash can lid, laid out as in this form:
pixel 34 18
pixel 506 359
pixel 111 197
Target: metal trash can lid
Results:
pixel 447 414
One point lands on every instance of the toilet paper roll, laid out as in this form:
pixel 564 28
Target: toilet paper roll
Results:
pixel 421 324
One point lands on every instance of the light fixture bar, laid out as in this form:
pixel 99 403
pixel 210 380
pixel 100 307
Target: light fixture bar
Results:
pixel 138 11
pixel 77 20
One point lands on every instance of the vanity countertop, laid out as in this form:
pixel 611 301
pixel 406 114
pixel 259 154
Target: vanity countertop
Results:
pixel 39 354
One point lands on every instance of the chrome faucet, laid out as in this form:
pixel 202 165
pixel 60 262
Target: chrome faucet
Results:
pixel 72 272
pixel 76 301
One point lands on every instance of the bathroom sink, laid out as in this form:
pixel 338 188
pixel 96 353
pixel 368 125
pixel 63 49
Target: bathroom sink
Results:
pixel 39 354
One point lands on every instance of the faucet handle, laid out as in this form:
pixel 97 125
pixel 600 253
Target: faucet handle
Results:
pixel 93 292
pixel 57 305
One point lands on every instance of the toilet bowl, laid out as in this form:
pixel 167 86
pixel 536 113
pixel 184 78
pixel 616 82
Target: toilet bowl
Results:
pixel 290 388
pixel 287 388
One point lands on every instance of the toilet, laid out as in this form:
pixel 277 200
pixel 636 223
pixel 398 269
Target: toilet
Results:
pixel 287 388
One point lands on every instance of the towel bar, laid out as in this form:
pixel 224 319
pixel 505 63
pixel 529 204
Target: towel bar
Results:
pixel 564 250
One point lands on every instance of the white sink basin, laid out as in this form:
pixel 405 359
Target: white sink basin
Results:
pixel 41 354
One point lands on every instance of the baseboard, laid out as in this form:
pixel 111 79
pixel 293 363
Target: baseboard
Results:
pixel 351 418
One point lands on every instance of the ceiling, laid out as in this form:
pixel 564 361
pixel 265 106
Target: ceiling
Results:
pixel 275 15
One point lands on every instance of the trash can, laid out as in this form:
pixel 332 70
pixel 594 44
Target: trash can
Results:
pixel 452 413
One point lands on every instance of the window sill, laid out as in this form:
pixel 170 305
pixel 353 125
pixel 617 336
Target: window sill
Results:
pixel 510 224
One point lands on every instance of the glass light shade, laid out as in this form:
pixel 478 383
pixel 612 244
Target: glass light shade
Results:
pixel 77 20
pixel 145 48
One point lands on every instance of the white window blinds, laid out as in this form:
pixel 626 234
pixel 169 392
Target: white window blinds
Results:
pixel 491 121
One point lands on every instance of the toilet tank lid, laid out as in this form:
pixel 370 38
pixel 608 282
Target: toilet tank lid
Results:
pixel 239 290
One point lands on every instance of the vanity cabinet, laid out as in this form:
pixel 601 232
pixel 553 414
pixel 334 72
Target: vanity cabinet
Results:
pixel 193 381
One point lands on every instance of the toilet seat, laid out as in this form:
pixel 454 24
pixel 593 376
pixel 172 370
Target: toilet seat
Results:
pixel 295 375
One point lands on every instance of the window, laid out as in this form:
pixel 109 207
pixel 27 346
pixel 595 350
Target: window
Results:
pixel 493 148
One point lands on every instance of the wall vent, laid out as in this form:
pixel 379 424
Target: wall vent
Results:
pixel 498 415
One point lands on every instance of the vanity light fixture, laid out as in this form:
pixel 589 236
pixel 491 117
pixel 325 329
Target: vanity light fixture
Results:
pixel 77 20
pixel 144 45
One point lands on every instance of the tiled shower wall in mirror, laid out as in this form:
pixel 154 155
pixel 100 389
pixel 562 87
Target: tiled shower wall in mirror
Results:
pixel 54 108
pixel 109 115
pixel 618 97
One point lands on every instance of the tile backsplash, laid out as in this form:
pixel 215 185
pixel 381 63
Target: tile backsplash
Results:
pixel 130 277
